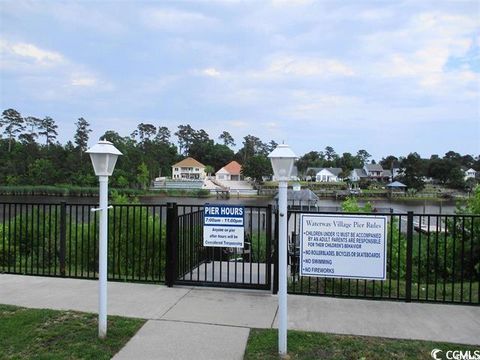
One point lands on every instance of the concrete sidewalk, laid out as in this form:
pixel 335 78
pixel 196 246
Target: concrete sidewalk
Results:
pixel 202 323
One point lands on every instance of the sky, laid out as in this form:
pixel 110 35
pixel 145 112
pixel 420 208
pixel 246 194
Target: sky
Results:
pixel 391 77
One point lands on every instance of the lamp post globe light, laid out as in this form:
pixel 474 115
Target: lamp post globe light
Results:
pixel 104 157
pixel 282 159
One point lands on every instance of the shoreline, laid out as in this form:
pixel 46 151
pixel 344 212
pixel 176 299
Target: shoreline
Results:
pixel 92 192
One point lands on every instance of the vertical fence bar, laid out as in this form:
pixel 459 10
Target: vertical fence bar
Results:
pixel 134 240
pixel 408 275
pixel 419 256
pixel 69 240
pixel 88 240
pixel 454 236
pixel 428 260
pixel 275 256
pixel 76 238
pixel 268 251
pixel 9 236
pixel 160 273
pixel 472 264
pixel 463 259
pixel 63 236
pixel 171 244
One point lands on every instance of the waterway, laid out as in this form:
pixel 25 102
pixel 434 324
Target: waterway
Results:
pixel 398 206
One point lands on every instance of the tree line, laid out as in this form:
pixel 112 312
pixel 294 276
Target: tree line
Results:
pixel 31 155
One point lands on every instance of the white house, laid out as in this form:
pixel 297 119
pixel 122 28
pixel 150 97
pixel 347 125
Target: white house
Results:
pixel 374 171
pixel 470 174
pixel 328 175
pixel 230 172
pixel 357 175
pixel 188 169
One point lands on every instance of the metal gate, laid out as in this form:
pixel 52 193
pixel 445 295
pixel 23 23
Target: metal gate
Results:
pixel 191 263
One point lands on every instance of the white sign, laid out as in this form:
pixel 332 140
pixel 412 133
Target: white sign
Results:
pixel 223 226
pixel 343 246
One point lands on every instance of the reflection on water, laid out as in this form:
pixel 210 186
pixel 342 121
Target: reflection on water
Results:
pixel 398 206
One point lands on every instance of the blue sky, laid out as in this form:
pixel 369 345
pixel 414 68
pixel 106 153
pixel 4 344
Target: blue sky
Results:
pixel 390 77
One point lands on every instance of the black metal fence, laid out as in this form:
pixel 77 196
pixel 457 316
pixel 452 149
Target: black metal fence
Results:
pixel 430 257
pixel 62 240
pixel 249 267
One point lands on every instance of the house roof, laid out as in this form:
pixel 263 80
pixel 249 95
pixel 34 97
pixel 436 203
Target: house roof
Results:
pixel 333 171
pixel 387 172
pixel 374 167
pixel 361 173
pixel 396 184
pixel 189 162
pixel 313 170
pixel 233 168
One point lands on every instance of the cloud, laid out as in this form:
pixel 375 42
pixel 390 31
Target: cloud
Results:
pixel 102 18
pixel 42 56
pixel 291 3
pixel 36 67
pixel 24 52
pixel 375 14
pixel 84 80
pixel 212 72
pixel 420 50
pixel 239 124
pixel 174 20
pixel 284 67
pixel 292 65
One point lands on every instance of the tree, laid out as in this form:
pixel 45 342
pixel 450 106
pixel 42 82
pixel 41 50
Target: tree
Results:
pixel 413 172
pixel 13 123
pixel 310 159
pixel 81 135
pixel 389 162
pixel 163 135
pixel 200 135
pixel 363 156
pixel 272 145
pixel 143 177
pixel 256 167
pixel 330 153
pixel 145 131
pixel 185 135
pixel 209 169
pixel 252 146
pixel 42 170
pixel 33 123
pixel 48 129
pixel 227 139
pixel 349 162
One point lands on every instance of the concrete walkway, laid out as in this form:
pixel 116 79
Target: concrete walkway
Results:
pixel 203 323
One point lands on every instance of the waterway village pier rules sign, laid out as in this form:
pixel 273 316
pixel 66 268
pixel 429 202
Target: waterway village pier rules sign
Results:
pixel 223 225
pixel 343 246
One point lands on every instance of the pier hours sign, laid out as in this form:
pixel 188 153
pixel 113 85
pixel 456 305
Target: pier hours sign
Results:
pixel 343 246
pixel 223 225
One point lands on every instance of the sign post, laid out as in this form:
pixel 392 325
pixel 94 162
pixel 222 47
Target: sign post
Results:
pixel 343 246
pixel 223 226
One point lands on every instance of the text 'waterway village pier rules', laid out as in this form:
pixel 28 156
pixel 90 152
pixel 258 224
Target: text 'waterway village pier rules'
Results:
pixel 223 226
pixel 344 246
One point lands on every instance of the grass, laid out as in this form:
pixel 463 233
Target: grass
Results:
pixel 84 191
pixel 329 287
pixel 262 344
pixel 50 334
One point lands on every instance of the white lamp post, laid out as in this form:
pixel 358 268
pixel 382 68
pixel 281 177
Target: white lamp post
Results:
pixel 282 159
pixel 104 157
